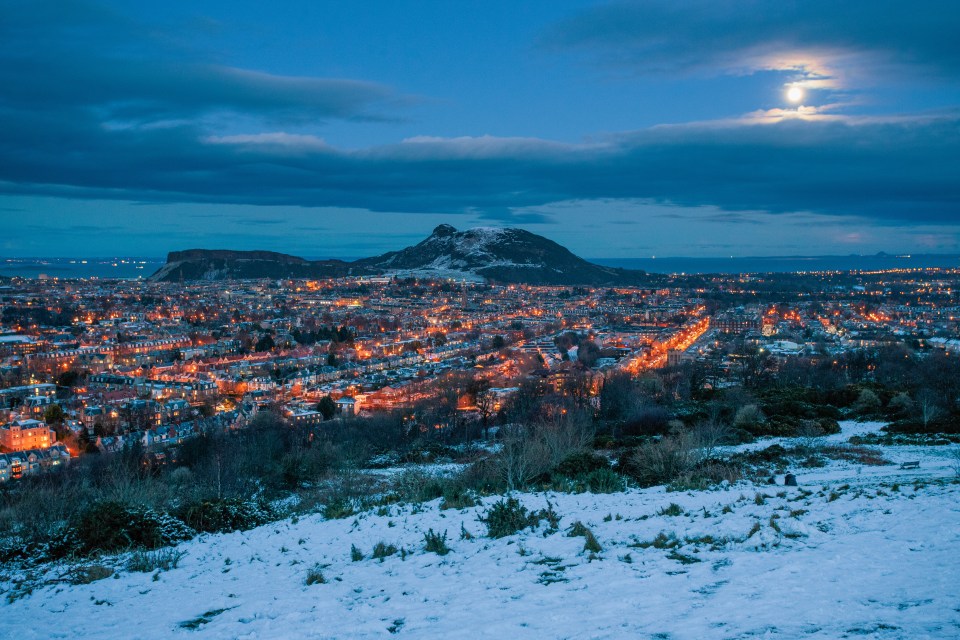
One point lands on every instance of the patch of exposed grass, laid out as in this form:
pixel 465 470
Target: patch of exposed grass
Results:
pixel 682 558
pixel 661 541
pixel 162 559
pixel 202 619
pixel 88 573
pixel 315 575
pixel 672 510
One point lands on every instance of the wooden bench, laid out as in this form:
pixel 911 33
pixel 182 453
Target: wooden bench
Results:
pixel 910 465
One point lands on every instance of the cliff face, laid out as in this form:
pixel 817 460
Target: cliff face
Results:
pixel 498 254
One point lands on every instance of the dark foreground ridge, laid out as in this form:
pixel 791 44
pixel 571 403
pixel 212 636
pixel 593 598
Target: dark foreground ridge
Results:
pixel 495 254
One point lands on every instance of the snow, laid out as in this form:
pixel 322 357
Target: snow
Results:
pixel 854 557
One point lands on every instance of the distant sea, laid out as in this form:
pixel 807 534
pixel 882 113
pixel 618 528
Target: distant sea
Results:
pixel 133 268
pixel 104 268
pixel 789 264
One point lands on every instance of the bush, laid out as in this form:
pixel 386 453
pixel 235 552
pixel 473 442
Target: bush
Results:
pixel 581 463
pixel 87 574
pixel 659 462
pixel 706 474
pixel 506 518
pixel 673 510
pixel 604 481
pixel 355 554
pixel 112 526
pixel 590 541
pixel 599 481
pixel 383 550
pixel 339 508
pixel 417 485
pixel 315 575
pixel 456 496
pixel 225 515
pixel 435 543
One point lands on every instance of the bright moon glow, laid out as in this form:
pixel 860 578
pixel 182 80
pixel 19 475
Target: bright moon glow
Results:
pixel 794 94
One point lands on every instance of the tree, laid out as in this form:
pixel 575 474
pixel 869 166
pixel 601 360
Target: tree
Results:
pixel 264 344
pixel 928 406
pixel 54 415
pixel 327 407
pixel 867 404
pixel 498 342
pixel 486 403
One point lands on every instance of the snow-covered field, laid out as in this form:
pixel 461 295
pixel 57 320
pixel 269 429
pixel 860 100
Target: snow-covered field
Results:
pixel 852 552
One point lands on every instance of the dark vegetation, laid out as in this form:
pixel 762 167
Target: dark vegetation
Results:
pixel 666 427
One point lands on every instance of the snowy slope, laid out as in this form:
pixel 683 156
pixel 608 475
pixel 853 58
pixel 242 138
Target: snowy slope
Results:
pixel 853 557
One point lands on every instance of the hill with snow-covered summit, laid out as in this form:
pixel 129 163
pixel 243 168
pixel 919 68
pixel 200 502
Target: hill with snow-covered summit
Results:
pixel 497 254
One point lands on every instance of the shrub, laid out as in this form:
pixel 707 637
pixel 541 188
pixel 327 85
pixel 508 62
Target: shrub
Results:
pixel 582 462
pixel 416 485
pixel 435 543
pixel 707 474
pixel 162 559
pixel 383 550
pixel 672 511
pixel 660 461
pixel 87 574
pixel 505 518
pixel 355 554
pixel 111 526
pixel 339 508
pixel 578 529
pixel 455 496
pixel 225 515
pixel 604 480
pixel 315 575
pixel 661 541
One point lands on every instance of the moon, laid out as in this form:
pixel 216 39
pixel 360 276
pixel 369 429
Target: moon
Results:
pixel 794 94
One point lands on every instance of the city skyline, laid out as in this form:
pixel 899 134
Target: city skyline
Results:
pixel 620 130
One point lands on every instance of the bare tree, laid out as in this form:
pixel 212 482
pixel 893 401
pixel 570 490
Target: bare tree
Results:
pixel 928 406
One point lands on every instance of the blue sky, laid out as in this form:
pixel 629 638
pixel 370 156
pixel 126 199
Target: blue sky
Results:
pixel 623 129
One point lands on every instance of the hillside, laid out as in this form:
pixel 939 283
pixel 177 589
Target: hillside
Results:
pixel 853 551
pixel 207 264
pixel 502 255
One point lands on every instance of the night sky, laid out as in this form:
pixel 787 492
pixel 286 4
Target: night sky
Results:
pixel 344 129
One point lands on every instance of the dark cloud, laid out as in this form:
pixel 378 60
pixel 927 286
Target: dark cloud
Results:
pixel 511 216
pixel 69 58
pixel 896 170
pixel 706 36
pixel 94 107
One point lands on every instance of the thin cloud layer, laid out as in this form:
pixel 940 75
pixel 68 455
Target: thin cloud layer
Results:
pixel 822 39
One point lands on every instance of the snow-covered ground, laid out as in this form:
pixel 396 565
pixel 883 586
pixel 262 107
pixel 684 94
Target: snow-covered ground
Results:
pixel 852 552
